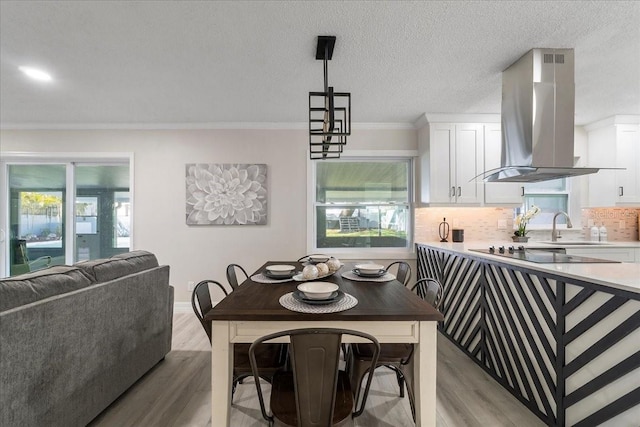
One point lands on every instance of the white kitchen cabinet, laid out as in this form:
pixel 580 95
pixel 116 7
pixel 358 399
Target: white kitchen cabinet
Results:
pixel 614 145
pixel 498 193
pixel 628 152
pixel 452 155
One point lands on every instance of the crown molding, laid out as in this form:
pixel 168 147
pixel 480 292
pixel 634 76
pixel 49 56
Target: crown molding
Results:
pixel 428 118
pixel 621 119
pixel 193 126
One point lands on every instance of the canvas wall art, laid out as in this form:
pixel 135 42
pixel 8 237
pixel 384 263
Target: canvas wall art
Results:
pixel 226 194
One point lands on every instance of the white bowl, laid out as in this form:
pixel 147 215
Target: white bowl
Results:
pixel 318 258
pixel 369 268
pixel 317 290
pixel 280 269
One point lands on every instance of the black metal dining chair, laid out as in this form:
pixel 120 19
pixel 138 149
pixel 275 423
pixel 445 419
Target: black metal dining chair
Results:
pixel 397 357
pixel 314 392
pixel 270 356
pixel 232 275
pixel 403 271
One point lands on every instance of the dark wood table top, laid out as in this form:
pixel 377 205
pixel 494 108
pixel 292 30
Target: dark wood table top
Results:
pixel 377 301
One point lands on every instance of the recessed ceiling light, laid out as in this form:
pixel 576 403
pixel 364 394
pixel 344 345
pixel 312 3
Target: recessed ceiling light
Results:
pixel 36 74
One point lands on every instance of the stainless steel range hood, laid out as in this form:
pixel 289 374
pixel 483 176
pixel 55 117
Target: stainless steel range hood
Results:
pixel 538 99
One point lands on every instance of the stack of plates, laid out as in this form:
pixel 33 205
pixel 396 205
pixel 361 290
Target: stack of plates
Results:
pixel 318 293
pixel 369 270
pixel 334 297
pixel 280 271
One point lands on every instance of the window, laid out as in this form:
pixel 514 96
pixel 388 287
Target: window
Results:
pixel 551 197
pixel 363 203
pixel 42 230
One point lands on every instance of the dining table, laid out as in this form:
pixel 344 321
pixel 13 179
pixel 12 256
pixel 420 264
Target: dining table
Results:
pixel 385 309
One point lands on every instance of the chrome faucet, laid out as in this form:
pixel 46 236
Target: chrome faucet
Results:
pixel 556 233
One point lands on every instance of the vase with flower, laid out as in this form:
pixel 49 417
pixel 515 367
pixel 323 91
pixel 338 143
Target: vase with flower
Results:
pixel 522 220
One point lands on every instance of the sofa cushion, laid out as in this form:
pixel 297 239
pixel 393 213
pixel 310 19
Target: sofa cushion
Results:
pixel 27 288
pixel 103 270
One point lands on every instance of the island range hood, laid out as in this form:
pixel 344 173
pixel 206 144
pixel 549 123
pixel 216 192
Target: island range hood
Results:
pixel 538 99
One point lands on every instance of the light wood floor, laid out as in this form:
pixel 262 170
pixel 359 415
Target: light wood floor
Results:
pixel 177 392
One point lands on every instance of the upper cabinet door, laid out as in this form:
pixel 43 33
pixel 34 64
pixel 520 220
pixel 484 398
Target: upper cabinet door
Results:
pixel 451 156
pixel 498 193
pixel 615 145
pixel 468 163
pixel 441 154
pixel 628 157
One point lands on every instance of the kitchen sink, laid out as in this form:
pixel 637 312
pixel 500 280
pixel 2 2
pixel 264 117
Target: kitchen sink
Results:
pixel 574 243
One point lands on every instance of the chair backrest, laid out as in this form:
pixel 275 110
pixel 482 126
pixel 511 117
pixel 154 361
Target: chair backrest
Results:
pixel 201 302
pixel 232 277
pixel 315 357
pixel 429 290
pixel 403 273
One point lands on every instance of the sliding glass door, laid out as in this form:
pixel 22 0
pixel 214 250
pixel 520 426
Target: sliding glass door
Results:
pixel 36 217
pixel 41 228
pixel 102 213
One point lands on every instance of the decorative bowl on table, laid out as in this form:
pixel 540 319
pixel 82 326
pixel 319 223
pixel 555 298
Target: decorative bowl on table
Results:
pixel 317 290
pixel 311 272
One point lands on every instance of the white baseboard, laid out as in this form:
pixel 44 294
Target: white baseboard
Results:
pixel 185 307
pixel 182 307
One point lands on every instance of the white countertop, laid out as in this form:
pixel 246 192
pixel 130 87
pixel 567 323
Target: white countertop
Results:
pixel 582 244
pixel 625 275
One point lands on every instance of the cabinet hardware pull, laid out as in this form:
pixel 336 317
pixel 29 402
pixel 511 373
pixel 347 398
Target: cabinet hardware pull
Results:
pixel 453 191
pixel 459 192
pixel 620 191
pixel 522 191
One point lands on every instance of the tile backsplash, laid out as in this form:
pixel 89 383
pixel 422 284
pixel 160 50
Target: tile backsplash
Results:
pixel 478 223
pixel 621 223
pixel 497 223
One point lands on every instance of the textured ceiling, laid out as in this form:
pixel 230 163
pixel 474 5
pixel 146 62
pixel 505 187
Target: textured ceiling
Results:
pixel 150 63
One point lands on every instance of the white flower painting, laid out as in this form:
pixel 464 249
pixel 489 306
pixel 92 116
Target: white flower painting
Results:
pixel 226 194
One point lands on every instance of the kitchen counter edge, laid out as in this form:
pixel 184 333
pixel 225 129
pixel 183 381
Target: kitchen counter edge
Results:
pixel 624 276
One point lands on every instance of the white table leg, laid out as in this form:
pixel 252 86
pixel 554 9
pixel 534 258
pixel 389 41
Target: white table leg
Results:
pixel 221 373
pixel 424 374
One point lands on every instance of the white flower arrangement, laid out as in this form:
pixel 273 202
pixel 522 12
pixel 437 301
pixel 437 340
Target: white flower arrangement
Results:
pixel 523 220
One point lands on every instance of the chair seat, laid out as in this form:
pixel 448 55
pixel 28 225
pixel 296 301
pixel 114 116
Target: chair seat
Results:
pixel 283 399
pixel 389 353
pixel 268 356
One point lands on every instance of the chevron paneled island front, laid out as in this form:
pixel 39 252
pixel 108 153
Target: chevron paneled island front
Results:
pixel 562 338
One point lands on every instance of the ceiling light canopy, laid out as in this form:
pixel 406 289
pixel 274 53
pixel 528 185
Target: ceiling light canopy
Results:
pixel 329 111
pixel 36 74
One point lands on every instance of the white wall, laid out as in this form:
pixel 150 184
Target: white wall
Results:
pixel 203 252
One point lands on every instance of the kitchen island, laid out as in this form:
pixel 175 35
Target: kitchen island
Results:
pixel 562 338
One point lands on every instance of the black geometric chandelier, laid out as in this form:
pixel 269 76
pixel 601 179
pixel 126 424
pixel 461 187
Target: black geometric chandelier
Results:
pixel 329 112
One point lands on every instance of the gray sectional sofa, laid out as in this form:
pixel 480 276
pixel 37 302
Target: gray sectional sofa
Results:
pixel 74 338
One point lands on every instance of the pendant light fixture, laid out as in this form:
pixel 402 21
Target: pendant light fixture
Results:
pixel 329 111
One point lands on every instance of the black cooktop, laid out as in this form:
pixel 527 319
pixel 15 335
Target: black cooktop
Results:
pixel 540 255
